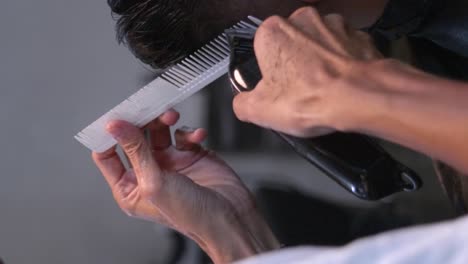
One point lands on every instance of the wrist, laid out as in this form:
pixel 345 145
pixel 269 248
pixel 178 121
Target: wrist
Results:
pixel 369 100
pixel 415 109
pixel 240 237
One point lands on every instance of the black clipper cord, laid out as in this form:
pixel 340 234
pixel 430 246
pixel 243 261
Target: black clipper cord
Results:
pixel 354 161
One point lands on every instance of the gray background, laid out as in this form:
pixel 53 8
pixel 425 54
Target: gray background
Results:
pixel 60 68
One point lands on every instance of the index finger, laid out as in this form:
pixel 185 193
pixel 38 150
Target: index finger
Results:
pixel 270 43
pixel 134 144
pixel 260 107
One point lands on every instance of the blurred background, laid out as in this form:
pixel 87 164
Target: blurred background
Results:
pixel 60 69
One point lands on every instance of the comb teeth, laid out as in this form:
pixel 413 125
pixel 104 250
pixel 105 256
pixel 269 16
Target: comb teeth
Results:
pixel 175 85
pixel 202 60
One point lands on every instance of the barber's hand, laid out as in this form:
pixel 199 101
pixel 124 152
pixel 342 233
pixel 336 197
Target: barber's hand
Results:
pixel 184 187
pixel 312 68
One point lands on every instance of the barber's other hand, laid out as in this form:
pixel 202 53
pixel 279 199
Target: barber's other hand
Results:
pixel 312 67
pixel 184 187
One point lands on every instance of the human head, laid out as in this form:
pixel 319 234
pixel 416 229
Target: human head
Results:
pixel 161 32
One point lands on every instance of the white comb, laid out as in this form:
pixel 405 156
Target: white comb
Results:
pixel 174 86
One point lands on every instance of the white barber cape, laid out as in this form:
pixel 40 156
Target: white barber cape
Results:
pixel 443 243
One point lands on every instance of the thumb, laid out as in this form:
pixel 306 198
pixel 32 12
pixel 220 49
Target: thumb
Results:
pixel 134 144
pixel 253 106
pixel 242 106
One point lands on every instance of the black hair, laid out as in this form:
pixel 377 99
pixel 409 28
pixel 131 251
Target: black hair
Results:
pixel 158 32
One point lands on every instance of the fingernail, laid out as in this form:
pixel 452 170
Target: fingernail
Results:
pixel 187 129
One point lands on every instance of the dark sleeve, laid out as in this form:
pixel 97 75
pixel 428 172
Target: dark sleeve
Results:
pixel 440 43
pixel 441 22
pixel 405 17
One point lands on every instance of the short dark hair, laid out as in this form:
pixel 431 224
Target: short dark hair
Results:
pixel 158 32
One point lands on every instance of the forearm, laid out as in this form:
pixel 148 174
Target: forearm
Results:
pixel 420 111
pixel 240 237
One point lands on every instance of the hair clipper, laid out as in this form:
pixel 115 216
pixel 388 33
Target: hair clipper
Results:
pixel 354 161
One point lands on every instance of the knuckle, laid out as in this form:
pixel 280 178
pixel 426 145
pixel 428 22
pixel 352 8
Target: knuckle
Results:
pixel 266 30
pixel 272 22
pixel 336 18
pixel 134 148
pixel 151 191
pixel 308 12
pixel 336 22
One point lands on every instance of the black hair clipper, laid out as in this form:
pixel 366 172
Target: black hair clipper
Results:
pixel 356 162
